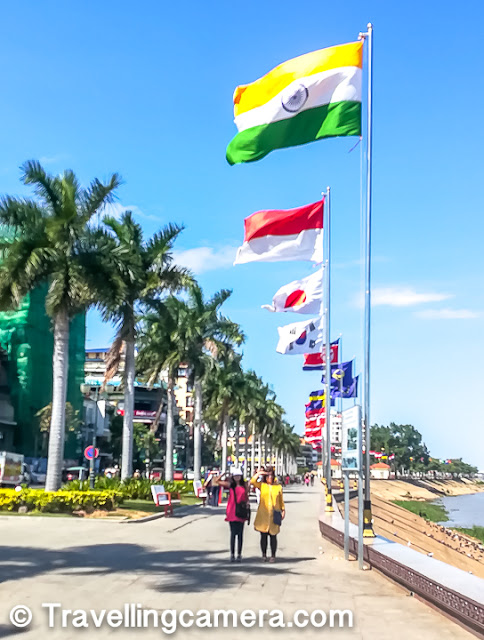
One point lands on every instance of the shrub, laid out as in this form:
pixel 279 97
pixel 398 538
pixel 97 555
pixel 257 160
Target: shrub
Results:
pixel 131 489
pixel 60 501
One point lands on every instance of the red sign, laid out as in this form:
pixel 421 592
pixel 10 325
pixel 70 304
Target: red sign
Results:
pixel 139 413
pixel 90 452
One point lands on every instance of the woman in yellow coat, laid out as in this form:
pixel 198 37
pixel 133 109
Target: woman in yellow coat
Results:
pixel 270 500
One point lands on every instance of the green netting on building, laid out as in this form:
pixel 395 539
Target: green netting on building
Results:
pixel 26 335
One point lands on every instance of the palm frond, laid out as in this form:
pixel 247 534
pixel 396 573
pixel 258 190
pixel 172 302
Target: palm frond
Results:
pixel 45 185
pixel 20 214
pixel 113 359
pixel 98 194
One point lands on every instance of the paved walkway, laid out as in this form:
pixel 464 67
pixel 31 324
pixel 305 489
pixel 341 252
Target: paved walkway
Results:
pixel 182 563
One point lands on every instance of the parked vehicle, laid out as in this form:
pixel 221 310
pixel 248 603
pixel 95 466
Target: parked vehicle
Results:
pixel 156 473
pixel 75 473
pixel 179 473
pixel 11 466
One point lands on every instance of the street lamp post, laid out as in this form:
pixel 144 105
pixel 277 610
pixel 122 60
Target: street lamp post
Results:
pixel 86 390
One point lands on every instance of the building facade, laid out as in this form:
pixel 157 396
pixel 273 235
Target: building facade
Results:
pixel 27 341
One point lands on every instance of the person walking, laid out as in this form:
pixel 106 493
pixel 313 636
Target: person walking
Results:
pixel 312 479
pixel 271 511
pixel 237 510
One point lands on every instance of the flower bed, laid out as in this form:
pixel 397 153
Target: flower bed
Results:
pixel 59 501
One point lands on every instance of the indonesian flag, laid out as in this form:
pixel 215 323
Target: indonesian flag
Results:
pixel 275 235
pixel 301 296
pixel 316 361
pixel 300 337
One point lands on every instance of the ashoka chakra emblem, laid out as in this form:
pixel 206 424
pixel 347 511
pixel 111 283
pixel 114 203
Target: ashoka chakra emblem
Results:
pixel 294 98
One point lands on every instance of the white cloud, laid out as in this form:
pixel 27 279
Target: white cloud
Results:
pixel 52 159
pixel 203 259
pixel 447 314
pixel 403 297
pixel 116 210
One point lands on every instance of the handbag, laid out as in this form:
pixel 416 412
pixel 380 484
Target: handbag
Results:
pixel 276 514
pixel 242 509
pixel 277 517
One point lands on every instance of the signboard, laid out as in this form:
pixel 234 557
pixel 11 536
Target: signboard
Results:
pixel 90 452
pixel 350 458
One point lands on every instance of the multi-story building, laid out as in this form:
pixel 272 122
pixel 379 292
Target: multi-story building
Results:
pixel 27 342
pixel 184 395
pixel 96 405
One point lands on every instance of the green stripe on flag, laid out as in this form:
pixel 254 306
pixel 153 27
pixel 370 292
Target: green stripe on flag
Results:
pixel 327 121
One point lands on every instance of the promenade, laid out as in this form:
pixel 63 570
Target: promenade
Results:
pixel 182 563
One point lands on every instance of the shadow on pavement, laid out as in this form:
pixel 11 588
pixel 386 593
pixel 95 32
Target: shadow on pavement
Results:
pixel 177 570
pixel 10 631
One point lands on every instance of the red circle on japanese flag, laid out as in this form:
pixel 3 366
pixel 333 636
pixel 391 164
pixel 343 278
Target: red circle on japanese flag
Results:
pixel 295 298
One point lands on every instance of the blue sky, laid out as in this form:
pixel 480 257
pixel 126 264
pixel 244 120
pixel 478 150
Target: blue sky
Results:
pixel 146 90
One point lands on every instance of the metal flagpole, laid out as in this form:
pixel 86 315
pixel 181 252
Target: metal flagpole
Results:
pixel 327 328
pixel 367 517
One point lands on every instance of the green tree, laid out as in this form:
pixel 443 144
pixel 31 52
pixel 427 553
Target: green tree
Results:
pixel 201 333
pixel 146 270
pixel 51 239
pixel 223 389
pixel 158 353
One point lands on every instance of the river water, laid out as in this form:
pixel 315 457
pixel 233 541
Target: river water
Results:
pixel 464 511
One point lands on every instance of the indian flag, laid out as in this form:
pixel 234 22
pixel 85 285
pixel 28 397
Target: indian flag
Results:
pixel 314 96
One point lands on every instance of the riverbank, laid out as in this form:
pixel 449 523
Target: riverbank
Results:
pixel 410 529
pixel 423 489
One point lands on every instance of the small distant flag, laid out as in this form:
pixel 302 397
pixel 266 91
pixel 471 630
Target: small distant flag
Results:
pixel 278 235
pixel 341 374
pixel 300 296
pixel 317 361
pixel 300 337
pixel 346 392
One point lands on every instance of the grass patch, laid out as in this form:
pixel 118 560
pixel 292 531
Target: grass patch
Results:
pixel 475 532
pixel 425 509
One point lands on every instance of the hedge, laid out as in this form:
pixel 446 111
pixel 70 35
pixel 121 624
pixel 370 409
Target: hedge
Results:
pixel 131 489
pixel 59 501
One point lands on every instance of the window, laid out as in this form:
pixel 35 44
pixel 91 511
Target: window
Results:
pixel 189 401
pixel 182 373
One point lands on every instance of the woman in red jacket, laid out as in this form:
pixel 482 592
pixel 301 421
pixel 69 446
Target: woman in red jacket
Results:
pixel 237 510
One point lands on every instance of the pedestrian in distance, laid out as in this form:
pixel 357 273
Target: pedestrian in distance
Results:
pixel 271 511
pixel 238 510
pixel 312 479
pixel 215 487
pixel 207 486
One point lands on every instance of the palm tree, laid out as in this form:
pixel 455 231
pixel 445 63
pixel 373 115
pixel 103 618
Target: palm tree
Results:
pixel 50 240
pixel 223 387
pixel 146 270
pixel 157 354
pixel 202 332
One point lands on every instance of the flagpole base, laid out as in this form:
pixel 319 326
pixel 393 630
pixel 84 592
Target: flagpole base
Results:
pixel 329 502
pixel 367 520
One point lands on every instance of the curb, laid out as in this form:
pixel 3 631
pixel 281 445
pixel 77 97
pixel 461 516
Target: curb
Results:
pixel 157 516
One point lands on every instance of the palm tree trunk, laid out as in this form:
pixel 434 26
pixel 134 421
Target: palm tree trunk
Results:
pixel 225 430
pixel 197 429
pixel 237 442
pixel 169 431
pixel 246 449
pixel 259 447
pixel 60 365
pixel 129 372
pixel 252 469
